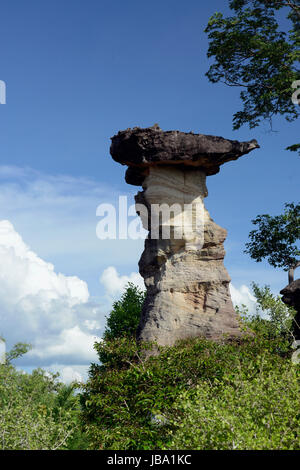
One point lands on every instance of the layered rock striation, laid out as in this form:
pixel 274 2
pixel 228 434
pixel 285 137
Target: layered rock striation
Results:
pixel 182 264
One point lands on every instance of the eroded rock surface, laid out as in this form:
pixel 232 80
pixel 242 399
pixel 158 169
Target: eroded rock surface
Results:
pixel 291 297
pixel 142 148
pixel 187 283
pixel 182 264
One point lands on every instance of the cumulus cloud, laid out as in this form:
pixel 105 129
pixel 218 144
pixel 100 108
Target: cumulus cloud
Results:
pixel 114 283
pixel 48 309
pixel 242 296
pixel 56 214
pixel 71 373
pixel 68 374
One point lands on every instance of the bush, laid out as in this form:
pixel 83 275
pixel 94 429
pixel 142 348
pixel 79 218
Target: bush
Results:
pixel 37 412
pixel 30 418
pixel 242 393
pixel 273 318
pixel 120 403
pixel 239 412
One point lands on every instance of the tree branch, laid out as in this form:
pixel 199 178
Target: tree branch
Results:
pixel 292 5
pixel 292 270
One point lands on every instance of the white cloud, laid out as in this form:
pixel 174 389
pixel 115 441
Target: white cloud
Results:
pixel 66 342
pixel 68 374
pixel 56 214
pixel 48 309
pixel 243 296
pixel 114 283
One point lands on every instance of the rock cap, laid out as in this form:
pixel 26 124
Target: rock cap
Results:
pixel 291 294
pixel 141 148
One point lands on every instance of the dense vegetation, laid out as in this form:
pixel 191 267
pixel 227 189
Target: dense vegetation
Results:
pixel 241 394
pixel 37 412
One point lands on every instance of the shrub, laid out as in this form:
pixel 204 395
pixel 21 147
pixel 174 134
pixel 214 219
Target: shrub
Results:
pixel 239 412
pixel 242 393
pixel 272 318
pixel 30 417
pixel 37 412
pixel 120 403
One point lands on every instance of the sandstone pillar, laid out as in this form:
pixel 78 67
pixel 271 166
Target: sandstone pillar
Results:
pixel 182 264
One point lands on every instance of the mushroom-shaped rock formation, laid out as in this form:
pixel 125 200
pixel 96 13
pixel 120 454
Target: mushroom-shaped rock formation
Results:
pixel 291 296
pixel 182 264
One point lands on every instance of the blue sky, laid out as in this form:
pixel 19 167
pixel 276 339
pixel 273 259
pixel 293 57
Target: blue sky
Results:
pixel 76 73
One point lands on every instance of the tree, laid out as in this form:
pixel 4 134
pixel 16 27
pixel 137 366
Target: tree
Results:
pixel 118 348
pixel 273 318
pixel 125 315
pixel 36 411
pixel 252 52
pixel 277 239
pixel 17 351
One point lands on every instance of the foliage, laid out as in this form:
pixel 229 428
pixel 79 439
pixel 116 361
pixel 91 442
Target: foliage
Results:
pixel 198 394
pixel 273 318
pixel 252 52
pixel 276 238
pixel 280 315
pixel 136 405
pixel 122 323
pixel 36 411
pixel 39 412
pixel 17 351
pixel 255 407
pixel 124 317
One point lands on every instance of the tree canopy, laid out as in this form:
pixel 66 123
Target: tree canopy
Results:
pixel 252 51
pixel 37 412
pixel 125 314
pixel 277 239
